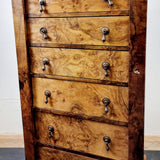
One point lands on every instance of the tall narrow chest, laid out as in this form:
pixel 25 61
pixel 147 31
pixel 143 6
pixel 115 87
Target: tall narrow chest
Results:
pixel 81 67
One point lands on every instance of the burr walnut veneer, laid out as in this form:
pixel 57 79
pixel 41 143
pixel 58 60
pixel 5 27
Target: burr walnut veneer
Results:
pixel 81 70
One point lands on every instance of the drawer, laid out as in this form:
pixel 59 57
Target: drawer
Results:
pixel 80 63
pixel 82 135
pixel 59 6
pixel 82 98
pixel 45 153
pixel 86 30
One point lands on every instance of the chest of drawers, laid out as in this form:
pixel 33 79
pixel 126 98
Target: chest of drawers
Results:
pixel 81 72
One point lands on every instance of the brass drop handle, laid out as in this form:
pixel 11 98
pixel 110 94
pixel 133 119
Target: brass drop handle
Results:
pixel 47 94
pixel 107 140
pixel 109 1
pixel 106 102
pixel 51 131
pixel 106 66
pixel 105 31
pixel 42 3
pixel 43 31
pixel 45 62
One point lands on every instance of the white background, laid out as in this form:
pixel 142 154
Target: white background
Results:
pixel 10 112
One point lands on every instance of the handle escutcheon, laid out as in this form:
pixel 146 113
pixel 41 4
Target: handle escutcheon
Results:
pixel 47 94
pixel 42 3
pixel 106 66
pixel 107 140
pixel 105 32
pixel 106 102
pixel 43 31
pixel 109 1
pixel 51 131
pixel 45 62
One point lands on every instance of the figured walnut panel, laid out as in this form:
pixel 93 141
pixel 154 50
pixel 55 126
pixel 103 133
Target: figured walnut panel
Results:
pixel 81 98
pixel 44 153
pixel 81 63
pixel 83 135
pixel 59 6
pixel 84 31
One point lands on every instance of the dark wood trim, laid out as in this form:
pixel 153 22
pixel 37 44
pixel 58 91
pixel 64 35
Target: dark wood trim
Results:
pixel 138 10
pixel 79 46
pixel 81 116
pixel 24 78
pixel 85 80
pixel 80 14
pixel 71 151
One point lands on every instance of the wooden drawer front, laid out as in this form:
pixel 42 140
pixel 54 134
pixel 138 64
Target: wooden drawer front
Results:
pixel 59 6
pixel 81 63
pixel 80 30
pixel 44 153
pixel 83 135
pixel 81 98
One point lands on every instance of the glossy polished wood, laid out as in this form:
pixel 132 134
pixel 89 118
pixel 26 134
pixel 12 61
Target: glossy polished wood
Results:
pixel 73 27
pixel 80 63
pixel 81 98
pixel 83 135
pixel 68 6
pixel 84 31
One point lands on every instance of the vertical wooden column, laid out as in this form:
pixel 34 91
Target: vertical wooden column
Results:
pixel 24 77
pixel 138 9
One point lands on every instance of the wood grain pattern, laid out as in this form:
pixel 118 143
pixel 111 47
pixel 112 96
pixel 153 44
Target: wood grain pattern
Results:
pixel 44 153
pixel 83 135
pixel 81 116
pixel 81 98
pixel 81 63
pixel 84 30
pixel 11 141
pixel 138 12
pixel 24 78
pixel 79 14
pixel 114 83
pixel 152 143
pixel 41 144
pixel 58 6
pixel 79 46
pixel 72 30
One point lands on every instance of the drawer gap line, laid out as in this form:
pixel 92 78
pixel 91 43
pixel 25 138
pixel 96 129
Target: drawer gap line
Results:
pixel 83 80
pixel 78 46
pixel 42 144
pixel 80 116
pixel 80 14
